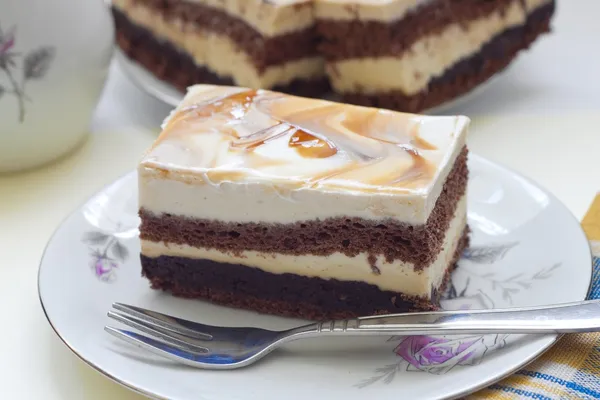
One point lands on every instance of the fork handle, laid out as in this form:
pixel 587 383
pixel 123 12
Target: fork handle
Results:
pixel 583 316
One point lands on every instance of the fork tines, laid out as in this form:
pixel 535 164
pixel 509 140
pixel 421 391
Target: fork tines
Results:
pixel 173 339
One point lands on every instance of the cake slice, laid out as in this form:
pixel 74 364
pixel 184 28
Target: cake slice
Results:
pixel 253 43
pixel 412 55
pixel 302 207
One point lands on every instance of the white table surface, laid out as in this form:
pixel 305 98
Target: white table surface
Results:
pixel 541 118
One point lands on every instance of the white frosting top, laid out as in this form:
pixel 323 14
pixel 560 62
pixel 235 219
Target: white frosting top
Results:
pixel 229 134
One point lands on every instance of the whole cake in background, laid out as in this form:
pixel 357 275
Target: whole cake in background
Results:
pixel 303 207
pixel 407 55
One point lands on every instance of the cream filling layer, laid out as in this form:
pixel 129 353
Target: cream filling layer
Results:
pixel 397 276
pixel 161 191
pixel 532 5
pixel 370 10
pixel 269 17
pixel 380 10
pixel 429 57
pixel 220 54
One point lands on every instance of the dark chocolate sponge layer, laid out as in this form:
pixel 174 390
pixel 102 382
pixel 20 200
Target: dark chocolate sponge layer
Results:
pixel 283 294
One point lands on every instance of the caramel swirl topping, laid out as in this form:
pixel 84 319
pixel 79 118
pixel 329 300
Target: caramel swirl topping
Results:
pixel 238 135
pixel 311 146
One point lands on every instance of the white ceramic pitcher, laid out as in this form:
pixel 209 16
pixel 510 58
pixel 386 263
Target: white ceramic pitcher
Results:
pixel 54 57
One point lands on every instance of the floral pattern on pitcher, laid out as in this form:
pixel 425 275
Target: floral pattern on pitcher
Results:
pixel 19 69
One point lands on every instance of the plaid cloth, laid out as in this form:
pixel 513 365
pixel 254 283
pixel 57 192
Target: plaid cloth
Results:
pixel 571 368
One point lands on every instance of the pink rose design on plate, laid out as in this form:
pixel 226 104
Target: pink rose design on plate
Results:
pixel 7 41
pixel 435 354
pixel 104 268
pixel 438 355
pixel 106 253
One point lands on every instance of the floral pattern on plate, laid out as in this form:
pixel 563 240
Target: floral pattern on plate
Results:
pixel 507 210
pixel 106 251
pixel 440 353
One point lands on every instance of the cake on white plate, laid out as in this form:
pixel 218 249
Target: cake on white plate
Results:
pixel 301 207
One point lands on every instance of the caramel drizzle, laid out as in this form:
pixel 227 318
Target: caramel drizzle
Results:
pixel 420 169
pixel 382 125
pixel 235 105
pixel 367 136
pixel 315 122
pixel 261 137
pixel 417 141
pixel 370 153
pixel 310 146
pixel 306 145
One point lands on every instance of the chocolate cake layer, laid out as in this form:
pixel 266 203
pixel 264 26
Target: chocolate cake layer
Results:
pixel 419 245
pixel 341 40
pixel 263 51
pixel 178 68
pixel 468 73
pixel 283 294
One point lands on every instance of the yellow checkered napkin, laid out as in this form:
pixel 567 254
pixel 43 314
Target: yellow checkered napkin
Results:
pixel 570 369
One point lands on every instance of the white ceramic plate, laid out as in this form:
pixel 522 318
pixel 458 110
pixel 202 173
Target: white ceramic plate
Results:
pixel 168 94
pixel 527 249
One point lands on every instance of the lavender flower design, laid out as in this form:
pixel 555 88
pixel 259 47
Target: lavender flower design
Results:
pixel 440 354
pixel 35 65
pixel 436 354
pixel 106 252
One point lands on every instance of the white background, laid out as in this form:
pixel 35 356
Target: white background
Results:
pixel 541 118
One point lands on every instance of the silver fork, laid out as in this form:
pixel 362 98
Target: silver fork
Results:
pixel 216 347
